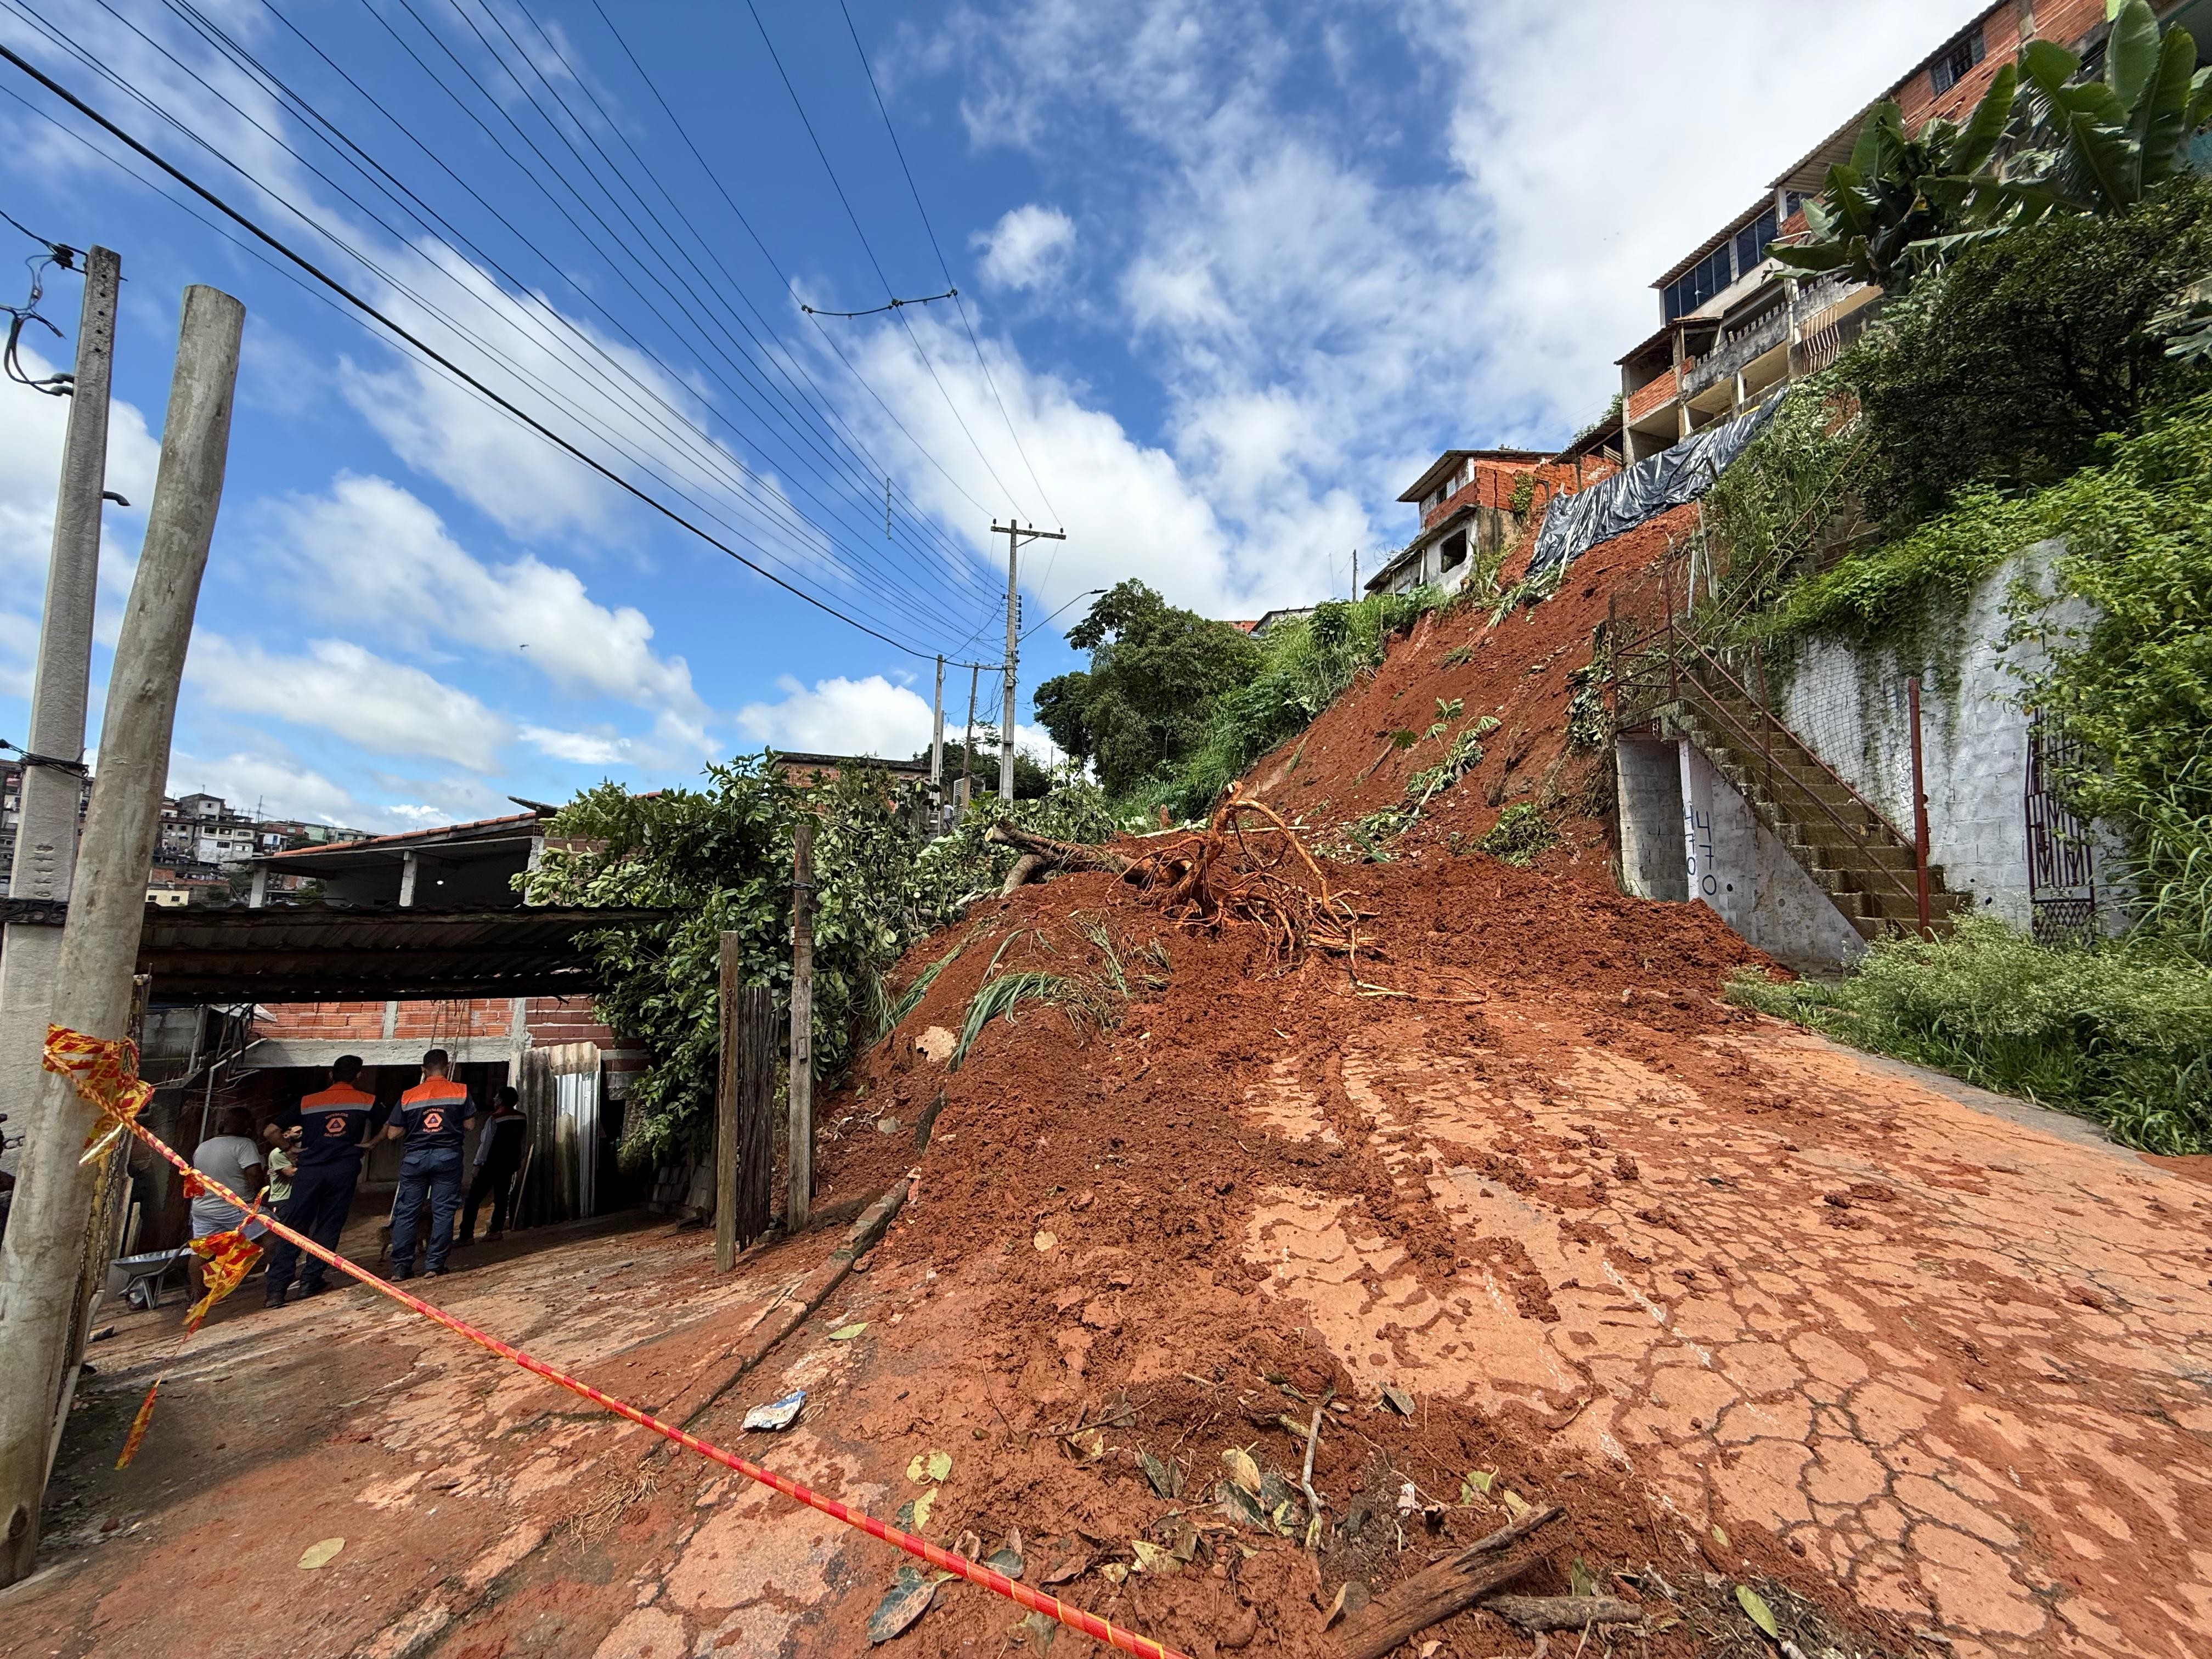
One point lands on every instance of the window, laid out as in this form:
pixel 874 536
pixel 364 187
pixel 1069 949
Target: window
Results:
pixel 1751 241
pixel 1954 66
pixel 1791 201
pixel 1700 283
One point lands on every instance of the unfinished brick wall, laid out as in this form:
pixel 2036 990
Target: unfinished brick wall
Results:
pixel 2004 27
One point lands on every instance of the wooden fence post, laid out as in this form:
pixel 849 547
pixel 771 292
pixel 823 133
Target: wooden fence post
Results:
pixel 756 1070
pixel 725 1110
pixel 798 1192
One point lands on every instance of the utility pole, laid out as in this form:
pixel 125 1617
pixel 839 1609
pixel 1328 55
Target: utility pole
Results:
pixel 53 776
pixel 1015 535
pixel 43 1249
pixel 968 747
pixel 1355 575
pixel 937 753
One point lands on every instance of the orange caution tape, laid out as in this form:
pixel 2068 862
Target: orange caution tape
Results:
pixel 106 1075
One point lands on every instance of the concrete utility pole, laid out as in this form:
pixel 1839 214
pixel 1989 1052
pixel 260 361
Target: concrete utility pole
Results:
pixel 46 835
pixel 937 753
pixel 1015 535
pixel 40 1254
pixel 798 1190
pixel 968 745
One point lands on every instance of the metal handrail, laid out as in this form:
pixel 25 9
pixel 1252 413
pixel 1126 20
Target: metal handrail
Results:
pixel 1905 890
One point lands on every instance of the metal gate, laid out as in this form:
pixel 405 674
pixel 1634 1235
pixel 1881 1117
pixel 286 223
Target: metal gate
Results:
pixel 2062 874
pixel 560 1092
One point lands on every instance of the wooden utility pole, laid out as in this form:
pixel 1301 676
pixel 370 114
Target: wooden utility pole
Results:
pixel 53 777
pixel 798 1192
pixel 92 989
pixel 1015 535
pixel 937 753
pixel 726 1109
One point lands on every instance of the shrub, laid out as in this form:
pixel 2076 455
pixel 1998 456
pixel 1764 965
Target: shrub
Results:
pixel 2003 371
pixel 1519 835
pixel 2119 1033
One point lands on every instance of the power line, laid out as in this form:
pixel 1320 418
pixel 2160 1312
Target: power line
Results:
pixel 722 190
pixel 837 184
pixel 445 363
pixel 914 189
pixel 793 521
pixel 636 235
pixel 877 311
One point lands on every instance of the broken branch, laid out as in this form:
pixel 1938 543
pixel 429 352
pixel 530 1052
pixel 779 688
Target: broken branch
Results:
pixel 1535 1613
pixel 1448 1588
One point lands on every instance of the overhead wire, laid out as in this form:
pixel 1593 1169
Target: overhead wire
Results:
pixel 914 190
pixel 630 236
pixel 791 522
pixel 399 331
pixel 715 179
pixel 837 184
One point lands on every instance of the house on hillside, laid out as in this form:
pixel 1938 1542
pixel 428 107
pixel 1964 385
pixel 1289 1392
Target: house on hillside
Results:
pixel 1734 324
pixel 1474 504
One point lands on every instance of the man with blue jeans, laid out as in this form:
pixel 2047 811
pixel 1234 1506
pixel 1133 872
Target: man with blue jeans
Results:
pixel 432 1118
pixel 333 1124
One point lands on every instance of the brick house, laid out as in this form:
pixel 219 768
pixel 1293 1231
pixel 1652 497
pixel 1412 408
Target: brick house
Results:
pixel 1468 516
pixel 1734 324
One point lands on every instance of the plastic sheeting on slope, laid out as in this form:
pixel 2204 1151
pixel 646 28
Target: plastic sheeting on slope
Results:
pixel 1577 523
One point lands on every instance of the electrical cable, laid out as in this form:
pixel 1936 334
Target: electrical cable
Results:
pixel 838 185
pixel 636 235
pixel 401 332
pixel 774 506
pixel 962 556
pixel 914 190
pixel 715 179
pixel 877 311
pixel 796 522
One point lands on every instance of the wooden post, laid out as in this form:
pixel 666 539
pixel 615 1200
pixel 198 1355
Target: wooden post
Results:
pixel 92 990
pixel 798 1191
pixel 757 1069
pixel 1919 811
pixel 726 1110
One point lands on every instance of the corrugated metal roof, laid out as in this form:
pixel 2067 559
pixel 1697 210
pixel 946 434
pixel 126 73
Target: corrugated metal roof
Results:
pixel 361 956
pixel 514 824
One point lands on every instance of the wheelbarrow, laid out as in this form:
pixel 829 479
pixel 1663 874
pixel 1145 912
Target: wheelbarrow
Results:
pixel 140 1279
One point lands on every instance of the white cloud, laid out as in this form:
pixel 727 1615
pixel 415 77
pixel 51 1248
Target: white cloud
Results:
pixel 1028 247
pixel 370 551
pixel 387 707
pixel 32 429
pixel 839 716
pixel 581 748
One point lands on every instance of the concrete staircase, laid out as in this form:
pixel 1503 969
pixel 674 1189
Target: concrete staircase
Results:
pixel 1861 861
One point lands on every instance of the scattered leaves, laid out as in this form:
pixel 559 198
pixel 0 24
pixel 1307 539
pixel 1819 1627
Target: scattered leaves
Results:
pixel 1241 1469
pixel 1151 1559
pixel 1165 1477
pixel 1476 1485
pixel 320 1554
pixel 1515 1502
pixel 1399 1401
pixel 1045 1240
pixel 847 1332
pixel 907 1599
pixel 1755 1609
pixel 929 1468
pixel 914 1515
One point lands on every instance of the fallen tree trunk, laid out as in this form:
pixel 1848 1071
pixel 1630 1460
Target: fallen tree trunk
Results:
pixel 1535 1613
pixel 1042 853
pixel 1448 1588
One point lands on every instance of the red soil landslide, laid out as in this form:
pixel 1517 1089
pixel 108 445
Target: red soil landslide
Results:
pixel 1523 1208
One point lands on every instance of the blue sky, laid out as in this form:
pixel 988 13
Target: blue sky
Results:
pixel 1234 273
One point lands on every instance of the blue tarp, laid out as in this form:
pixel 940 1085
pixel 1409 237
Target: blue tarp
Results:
pixel 1577 523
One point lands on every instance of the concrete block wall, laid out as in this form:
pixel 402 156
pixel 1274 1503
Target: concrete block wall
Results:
pixel 1848 700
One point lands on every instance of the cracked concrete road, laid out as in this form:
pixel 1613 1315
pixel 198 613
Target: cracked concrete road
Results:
pixel 1958 1355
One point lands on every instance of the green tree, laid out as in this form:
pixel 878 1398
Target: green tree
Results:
pixel 2100 146
pixel 1031 781
pixel 2005 369
pixel 1898 200
pixel 1157 672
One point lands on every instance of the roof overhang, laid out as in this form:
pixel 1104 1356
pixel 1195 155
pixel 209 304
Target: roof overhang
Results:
pixel 443 842
pixel 315 955
pixel 1448 463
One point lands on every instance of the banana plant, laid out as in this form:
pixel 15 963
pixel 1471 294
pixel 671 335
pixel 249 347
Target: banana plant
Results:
pixel 2099 146
pixel 1899 201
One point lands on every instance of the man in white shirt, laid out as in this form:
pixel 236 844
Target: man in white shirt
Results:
pixel 232 1157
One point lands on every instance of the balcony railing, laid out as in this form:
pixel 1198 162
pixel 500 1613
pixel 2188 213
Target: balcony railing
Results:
pixel 1735 351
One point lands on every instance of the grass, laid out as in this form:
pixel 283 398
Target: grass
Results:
pixel 2119 1033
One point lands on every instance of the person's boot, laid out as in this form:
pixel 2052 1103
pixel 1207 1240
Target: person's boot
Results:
pixel 275 1299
